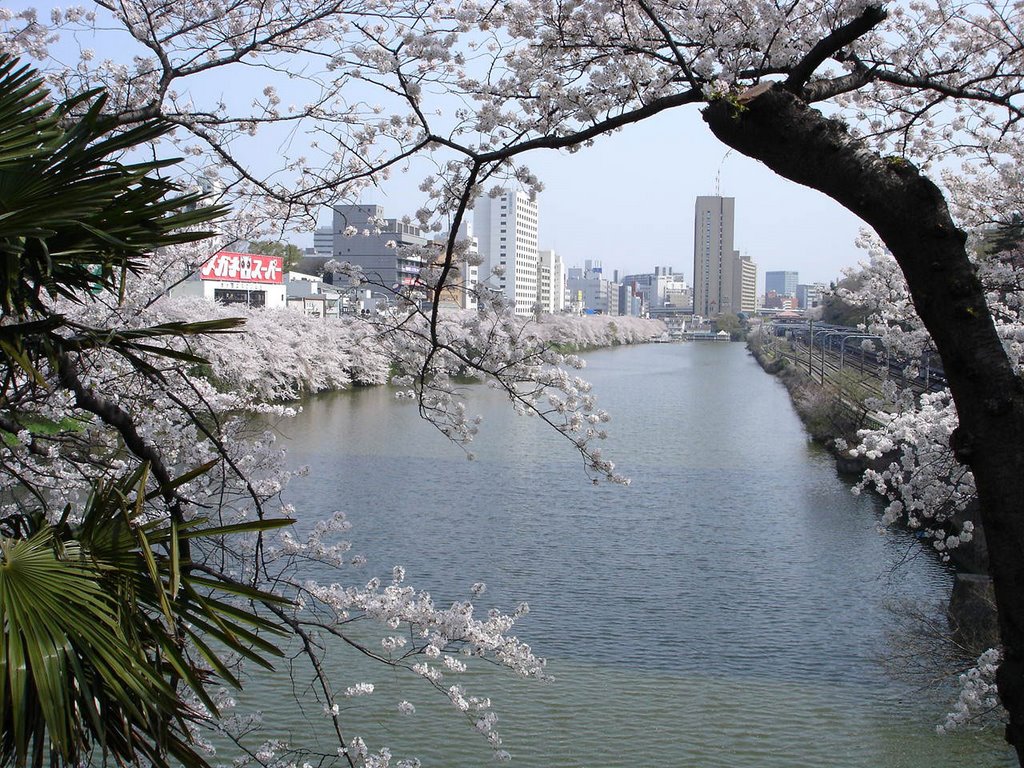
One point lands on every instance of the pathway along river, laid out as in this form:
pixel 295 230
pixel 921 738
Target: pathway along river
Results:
pixel 730 608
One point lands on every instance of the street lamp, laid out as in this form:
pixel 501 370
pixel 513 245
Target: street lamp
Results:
pixel 827 332
pixel 810 346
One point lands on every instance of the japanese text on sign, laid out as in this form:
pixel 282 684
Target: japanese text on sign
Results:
pixel 243 268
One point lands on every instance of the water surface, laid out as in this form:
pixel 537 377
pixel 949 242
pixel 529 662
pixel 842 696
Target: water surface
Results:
pixel 729 608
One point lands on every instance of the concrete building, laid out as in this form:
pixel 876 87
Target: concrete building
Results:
pixel 310 295
pixel 389 251
pixel 809 295
pixel 551 282
pixel 744 283
pixel 677 294
pixel 323 242
pixel 713 255
pixel 588 288
pixel 662 290
pixel 783 283
pixel 460 290
pixel 229 277
pixel 773 300
pixel 506 228
pixel 631 301
pixel 721 277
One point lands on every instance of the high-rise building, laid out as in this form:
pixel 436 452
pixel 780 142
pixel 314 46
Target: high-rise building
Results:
pixel 809 295
pixel 506 228
pixel 551 282
pixel 389 251
pixel 783 283
pixel 721 278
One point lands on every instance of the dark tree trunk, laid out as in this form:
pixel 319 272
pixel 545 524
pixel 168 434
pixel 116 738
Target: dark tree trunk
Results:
pixel 910 214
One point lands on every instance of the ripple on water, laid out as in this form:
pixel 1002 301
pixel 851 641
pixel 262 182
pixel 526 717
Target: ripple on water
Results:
pixel 728 609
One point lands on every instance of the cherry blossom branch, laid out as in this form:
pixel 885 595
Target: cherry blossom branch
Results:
pixel 670 40
pixel 829 45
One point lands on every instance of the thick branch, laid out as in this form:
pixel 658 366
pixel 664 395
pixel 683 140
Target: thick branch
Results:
pixel 910 214
pixel 828 46
pixel 593 131
pixel 828 88
pixel 114 416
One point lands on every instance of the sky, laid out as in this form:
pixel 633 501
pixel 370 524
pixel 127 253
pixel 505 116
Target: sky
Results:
pixel 628 202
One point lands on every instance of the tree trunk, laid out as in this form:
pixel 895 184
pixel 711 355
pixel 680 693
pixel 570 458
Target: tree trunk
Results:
pixel 910 214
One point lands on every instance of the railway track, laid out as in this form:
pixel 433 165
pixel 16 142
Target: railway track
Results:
pixel 854 380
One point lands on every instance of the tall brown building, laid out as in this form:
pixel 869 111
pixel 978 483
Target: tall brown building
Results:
pixel 723 281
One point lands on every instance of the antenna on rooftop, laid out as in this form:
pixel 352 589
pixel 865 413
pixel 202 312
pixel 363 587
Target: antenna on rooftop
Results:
pixel 718 174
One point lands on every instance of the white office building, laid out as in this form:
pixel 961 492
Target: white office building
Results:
pixel 551 277
pixel 744 281
pixel 506 230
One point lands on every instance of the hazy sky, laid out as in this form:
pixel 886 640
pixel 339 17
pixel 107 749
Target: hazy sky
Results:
pixel 628 201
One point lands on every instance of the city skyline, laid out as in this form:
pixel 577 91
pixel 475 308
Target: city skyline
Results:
pixel 628 202
pixel 504 227
pixel 627 199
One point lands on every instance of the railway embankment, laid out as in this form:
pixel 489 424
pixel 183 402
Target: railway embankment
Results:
pixel 833 401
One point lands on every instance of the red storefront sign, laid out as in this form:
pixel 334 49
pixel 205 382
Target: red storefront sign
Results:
pixel 243 268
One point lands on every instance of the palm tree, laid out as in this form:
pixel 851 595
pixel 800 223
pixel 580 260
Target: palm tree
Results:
pixel 111 632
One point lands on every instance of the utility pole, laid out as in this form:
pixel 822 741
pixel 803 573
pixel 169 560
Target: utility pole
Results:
pixel 810 347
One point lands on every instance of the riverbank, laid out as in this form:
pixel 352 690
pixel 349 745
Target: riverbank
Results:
pixel 281 355
pixel 825 416
pixel 833 422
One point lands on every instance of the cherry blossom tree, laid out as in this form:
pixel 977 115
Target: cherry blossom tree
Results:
pixel 137 501
pixel 926 484
pixel 897 112
pixel 927 487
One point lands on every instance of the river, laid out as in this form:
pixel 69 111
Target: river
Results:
pixel 732 607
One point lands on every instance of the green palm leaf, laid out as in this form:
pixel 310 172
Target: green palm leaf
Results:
pixel 106 625
pixel 74 220
pixel 101 620
pixel 58 622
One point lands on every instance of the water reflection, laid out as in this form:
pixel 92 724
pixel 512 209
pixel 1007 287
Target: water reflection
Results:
pixel 727 609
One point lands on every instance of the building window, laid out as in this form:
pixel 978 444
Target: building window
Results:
pixel 249 298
